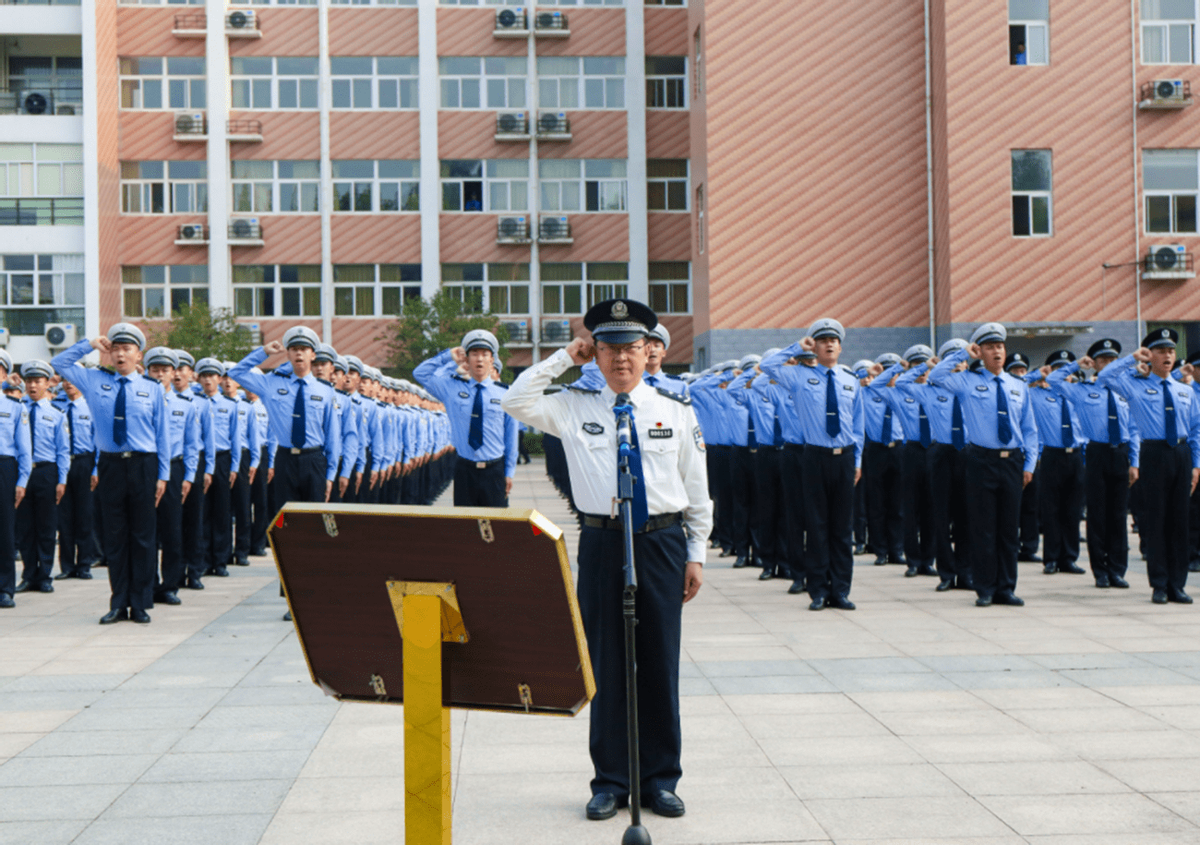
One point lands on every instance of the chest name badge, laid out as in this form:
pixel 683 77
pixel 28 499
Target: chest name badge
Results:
pixel 177 413
pixel 143 394
pixel 283 391
pixel 593 428
pixel 1093 395
pixel 317 398
pixel 463 395
pixel 661 433
pixel 494 401
pixel 983 388
pixel 1151 391
pixel 814 381
pixel 849 387
pixel 106 387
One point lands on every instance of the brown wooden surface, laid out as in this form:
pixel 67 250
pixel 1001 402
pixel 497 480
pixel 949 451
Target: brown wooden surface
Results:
pixel 517 604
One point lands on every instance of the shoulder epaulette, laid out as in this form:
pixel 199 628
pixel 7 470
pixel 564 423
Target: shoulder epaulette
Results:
pixel 13 399
pixel 460 378
pixel 552 389
pixel 323 381
pixel 670 394
pixel 500 385
pixel 149 378
pixel 277 373
pixel 108 370
pixel 184 397
pixel 582 390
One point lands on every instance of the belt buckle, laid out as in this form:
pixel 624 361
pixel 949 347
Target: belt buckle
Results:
pixel 294 450
pixel 127 454
pixel 837 451
pixel 481 465
pixel 1005 453
pixel 892 445
pixel 1070 449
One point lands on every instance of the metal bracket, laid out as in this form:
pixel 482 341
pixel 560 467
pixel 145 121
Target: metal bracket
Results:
pixel 330 524
pixel 526 695
pixel 377 685
pixel 453 629
pixel 485 530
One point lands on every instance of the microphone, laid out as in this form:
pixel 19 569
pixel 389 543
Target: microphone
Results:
pixel 623 410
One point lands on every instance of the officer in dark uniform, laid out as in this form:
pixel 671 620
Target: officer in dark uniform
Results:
pixel 76 524
pixel 227 436
pixel 135 462
pixel 1017 366
pixel 194 530
pixel 258 488
pixel 883 463
pixel 1060 471
pixel 16 463
pixel 250 452
pixel 37 515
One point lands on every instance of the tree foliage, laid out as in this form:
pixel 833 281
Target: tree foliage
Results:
pixel 429 326
pixel 205 332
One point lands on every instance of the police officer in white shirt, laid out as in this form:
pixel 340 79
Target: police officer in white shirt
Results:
pixel 669 547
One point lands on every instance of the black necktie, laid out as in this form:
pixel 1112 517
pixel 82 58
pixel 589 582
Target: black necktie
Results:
pixel 1114 422
pixel 119 414
pixel 71 424
pixel 957 439
pixel 926 434
pixel 299 422
pixel 639 510
pixel 1068 431
pixel 33 409
pixel 475 436
pixel 1003 426
pixel 833 421
pixel 778 433
pixel 887 425
pixel 1169 410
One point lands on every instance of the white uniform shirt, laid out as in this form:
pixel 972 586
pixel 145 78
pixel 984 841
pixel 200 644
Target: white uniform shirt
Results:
pixel 668 435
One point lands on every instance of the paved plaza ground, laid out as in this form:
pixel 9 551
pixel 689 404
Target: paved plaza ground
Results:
pixel 918 718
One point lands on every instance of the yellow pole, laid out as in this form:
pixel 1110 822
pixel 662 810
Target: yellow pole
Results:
pixel 426 725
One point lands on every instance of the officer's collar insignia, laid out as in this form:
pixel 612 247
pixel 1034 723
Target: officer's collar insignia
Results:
pixel 620 311
pixel 593 428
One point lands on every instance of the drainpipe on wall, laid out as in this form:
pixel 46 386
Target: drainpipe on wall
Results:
pixel 1137 203
pixel 929 180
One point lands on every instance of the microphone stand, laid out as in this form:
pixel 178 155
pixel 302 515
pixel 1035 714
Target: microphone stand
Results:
pixel 635 834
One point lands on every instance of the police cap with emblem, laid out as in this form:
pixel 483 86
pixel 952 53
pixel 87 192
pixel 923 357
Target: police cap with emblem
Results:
pixel 989 333
pixel 185 358
pixel 301 336
pixel 481 339
pixel 918 354
pixel 827 327
pixel 952 345
pixel 1016 359
pixel 1060 358
pixel 888 359
pixel 340 363
pixel 5 361
pixel 127 333
pixel 619 321
pixel 861 368
pixel 161 355
pixel 1105 348
pixel 660 332
pixel 209 367
pixel 748 361
pixel 326 353
pixel 35 368
pixel 354 363
pixel 1161 337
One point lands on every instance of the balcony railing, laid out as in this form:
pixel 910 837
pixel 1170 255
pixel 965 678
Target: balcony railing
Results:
pixel 512 230
pixel 41 100
pixel 245 230
pixel 244 129
pixel 59 211
pixel 552 229
pixel 512 125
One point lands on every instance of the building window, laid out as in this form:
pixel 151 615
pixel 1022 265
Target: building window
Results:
pixel 1170 182
pixel 41 170
pixel 1031 204
pixel 670 287
pixel 665 2
pixel 466 182
pixel 480 2
pixel 273 83
pixel 161 2
pixel 58 78
pixel 383 82
pixel 164 187
pixel 150 290
pixel 275 186
pixel 365 185
pixel 493 288
pixel 40 289
pixel 698 70
pixel 581 2
pixel 700 219
pixel 175 82
pixel 1028 32
pixel 572 288
pixel 1168 32
pixel 666 82
pixel 370 290
pixel 593 82
pixel 277 290
pixel 582 184
pixel 667 184
pixel 492 82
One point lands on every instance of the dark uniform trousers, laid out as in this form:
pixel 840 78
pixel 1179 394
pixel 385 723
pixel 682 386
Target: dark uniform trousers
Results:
pixel 742 501
pixel 993 511
pixel 710 463
pixel 882 476
pixel 661 559
pixel 476 487
pixel 829 487
pixel 76 523
pixel 8 514
pixel 768 519
pixel 919 544
pixel 794 516
pixel 410 491
pixel 126 493
pixel 217 519
pixel 1060 502
pixel 947 478
pixel 1166 480
pixel 193 530
pixel 1030 519
pixel 367 494
pixel 723 514
pixel 170 530
pixel 239 502
pixel 1193 527
pixel 1107 474
pixel 859 517
pixel 299 478
pixel 37 523
pixel 258 502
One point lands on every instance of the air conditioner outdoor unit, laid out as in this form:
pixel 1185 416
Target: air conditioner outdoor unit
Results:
pixel 1166 259
pixel 513 229
pixel 59 335
pixel 1168 89
pixel 512 123
pixel 65 108
pixel 556 331
pixel 511 19
pixel 245 228
pixel 189 123
pixel 4 335
pixel 192 232
pixel 36 101
pixel 256 338
pixel 552 123
pixel 549 20
pixel 242 19
pixel 554 229
pixel 518 331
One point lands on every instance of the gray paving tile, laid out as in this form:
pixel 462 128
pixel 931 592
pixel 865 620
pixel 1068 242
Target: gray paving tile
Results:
pixel 1038 679
pixel 1100 660
pixel 776 684
pixel 185 680
pixel 71 700
pixel 311 715
pixel 226 765
pixel 696 686
pixel 64 683
pixel 299 693
pixel 1130 676
pixel 754 668
pixel 67 771
pixel 868 666
pixel 125 698
pixel 87 743
pixel 951 818
pixel 135 718
pixel 58 803
pixel 219 798
pixel 978 663
pixel 1173 659
pixel 42 833
pixel 192 830
pixel 250 739
pixel 1084 814
pixel 890 681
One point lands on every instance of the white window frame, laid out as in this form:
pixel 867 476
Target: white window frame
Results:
pixel 306 188
pixel 1164 26
pixel 22 176
pixel 589 290
pixel 587 85
pixel 454 79
pixel 493 187
pixel 1173 196
pixel 138 192
pixel 675 3
pixel 385 279
pixel 661 87
pixel 373 2
pixel 303 86
pixel 406 186
pixel 560 193
pixel 681 182
pixel 190 85
pixel 366 91
pixel 162 290
pixel 665 286
pixel 483 2
pixel 1032 197
pixel 1031 24
pixel 497 283
pixel 309 292
pixel 578 3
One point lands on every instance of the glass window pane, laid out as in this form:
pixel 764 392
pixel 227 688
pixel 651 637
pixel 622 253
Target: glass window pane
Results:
pixel 177 93
pixel 241 94
pixel 593 93
pixel 133 303
pixel 341 196
pixel 496 89
pixel 1028 10
pixel 570 197
pixel 362 196
pixel 289 96
pixel 451 196
pixel 350 65
pixel 399 169
pixel 1041 215
pixel 1035 47
pixel 666 65
pixel 498 196
pixel 391 301
pixel 49 179
pixel 308 94
pixel 548 93
pixel 199 95
pixel 1167 9
pixel 656 196
pixel 1020 210
pixel 341 93
pixel 677 196
pixel 658 298
pixel 470 93
pixel 450 98
pixel 261 93
pixel 180 298
pixel 306 66
pixel 1031 170
pixel 155 302
pixel 290 302
pixel 572 299
pixel 1181 43
pixel 343 301
pixel 458 66
pixel 516 93
pixel 396 65
pixel 1185 213
pixel 364 301
pixel 387 94
pixel 604 65
pixel 409 98
pixel 614 93
pixel 1170 170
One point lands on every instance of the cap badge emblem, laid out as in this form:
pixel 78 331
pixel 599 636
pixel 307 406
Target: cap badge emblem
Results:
pixel 620 310
pixel 1108 344
pixel 1166 333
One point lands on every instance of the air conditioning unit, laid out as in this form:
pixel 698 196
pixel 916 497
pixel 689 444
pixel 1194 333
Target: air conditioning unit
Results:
pixel 554 229
pixel 556 331
pixel 36 101
pixel 513 230
pixel 245 229
pixel 512 19
pixel 189 123
pixel 512 123
pixel 1166 258
pixel 241 19
pixel 550 20
pixel 518 331
pixel 65 108
pixel 1166 90
pixel 256 338
pixel 553 124
pixel 59 335
pixel 193 232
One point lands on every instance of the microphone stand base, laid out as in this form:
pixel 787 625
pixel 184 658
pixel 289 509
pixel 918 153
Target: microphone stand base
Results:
pixel 635 834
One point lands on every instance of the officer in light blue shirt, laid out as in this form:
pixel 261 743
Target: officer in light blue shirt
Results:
pixel 37 515
pixel 1060 471
pixel 722 427
pixel 194 532
pixel 658 342
pixel 883 468
pixel 135 462
pixel 1001 455
pixel 246 458
pixel 768 406
pixel 485 437
pixel 262 478
pixel 77 549
pixel 829 404
pixel 227 438
pixel 15 465
pixel 792 469
pixel 1167 415
pixel 1112 458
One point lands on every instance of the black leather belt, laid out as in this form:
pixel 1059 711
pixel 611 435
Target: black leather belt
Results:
pixel 891 444
pixel 178 460
pixel 292 450
pixel 832 450
pixel 81 455
pixel 37 464
pixel 1166 443
pixel 482 464
pixel 654 523
pixel 793 447
pixel 123 455
pixel 1066 450
pixel 1002 453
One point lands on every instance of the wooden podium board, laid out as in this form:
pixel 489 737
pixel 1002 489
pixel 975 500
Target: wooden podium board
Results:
pixel 375 591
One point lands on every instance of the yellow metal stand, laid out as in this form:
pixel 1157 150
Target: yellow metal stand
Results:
pixel 428 615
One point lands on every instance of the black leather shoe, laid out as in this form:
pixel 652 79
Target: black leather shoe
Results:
pixel 1194 566
pixel 83 575
pixel 897 559
pixel 945 584
pixel 740 563
pixel 604 805
pixel 45 587
pixel 767 574
pixel 725 552
pixel 1009 599
pixel 263 552
pixel 926 569
pixel 1070 567
pixel 219 571
pixel 796 588
pixel 287 617
pixel 881 560
pixel 840 602
pixel 965 582
pixel 1050 568
pixel 1118 582
pixel 241 561
pixel 118 615
pixel 140 616
pixel 170 598
pixel 23 587
pixel 1159 597
pixel 1178 596
pixel 6 600
pixel 1028 559
pixel 911 572
pixel 817 603
pixel 62 576
pixel 195 584
pixel 983 601
pixel 1102 582
pixel 859 550
pixel 663 803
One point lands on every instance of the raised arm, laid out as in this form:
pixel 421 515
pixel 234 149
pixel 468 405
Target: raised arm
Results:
pixel 526 400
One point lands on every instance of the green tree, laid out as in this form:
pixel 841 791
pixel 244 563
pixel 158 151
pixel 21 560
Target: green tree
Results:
pixel 205 332
pixel 428 326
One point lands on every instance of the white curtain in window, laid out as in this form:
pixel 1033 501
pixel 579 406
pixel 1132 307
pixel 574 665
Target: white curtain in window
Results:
pixel 1170 170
